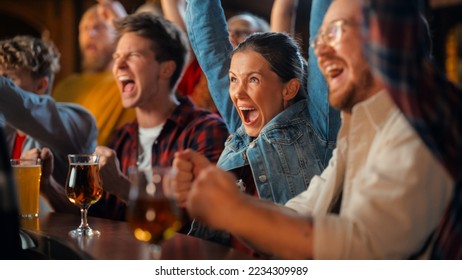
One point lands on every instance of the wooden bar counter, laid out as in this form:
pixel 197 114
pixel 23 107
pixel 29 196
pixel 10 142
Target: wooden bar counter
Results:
pixel 49 234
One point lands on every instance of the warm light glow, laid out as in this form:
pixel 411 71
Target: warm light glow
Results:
pixel 142 235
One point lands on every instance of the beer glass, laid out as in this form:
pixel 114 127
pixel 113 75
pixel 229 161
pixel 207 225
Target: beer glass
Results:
pixel 27 174
pixel 152 213
pixel 83 188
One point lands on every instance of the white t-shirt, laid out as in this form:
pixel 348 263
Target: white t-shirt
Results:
pixel 147 138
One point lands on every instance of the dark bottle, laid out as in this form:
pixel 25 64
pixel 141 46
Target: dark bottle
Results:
pixel 10 242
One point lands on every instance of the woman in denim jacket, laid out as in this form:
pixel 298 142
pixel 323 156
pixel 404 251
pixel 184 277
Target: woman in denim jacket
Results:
pixel 274 137
pixel 291 147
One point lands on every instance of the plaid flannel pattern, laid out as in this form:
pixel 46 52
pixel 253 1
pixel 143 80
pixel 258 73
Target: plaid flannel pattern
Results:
pixel 187 127
pixel 397 51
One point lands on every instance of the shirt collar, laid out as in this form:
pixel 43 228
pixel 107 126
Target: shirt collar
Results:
pixel 374 109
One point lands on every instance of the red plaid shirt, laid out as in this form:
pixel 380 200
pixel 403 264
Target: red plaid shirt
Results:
pixel 187 127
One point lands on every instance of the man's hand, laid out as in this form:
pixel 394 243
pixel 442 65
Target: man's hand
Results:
pixel 46 159
pixel 114 181
pixel 187 164
pixel 214 197
pixel 110 10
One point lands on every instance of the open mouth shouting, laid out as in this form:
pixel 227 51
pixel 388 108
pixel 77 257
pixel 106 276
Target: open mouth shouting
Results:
pixel 127 85
pixel 249 114
pixel 252 119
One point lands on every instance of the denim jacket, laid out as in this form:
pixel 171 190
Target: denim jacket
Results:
pixel 283 158
pixel 292 147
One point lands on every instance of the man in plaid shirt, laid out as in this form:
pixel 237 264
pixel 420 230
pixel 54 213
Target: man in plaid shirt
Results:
pixel 395 34
pixel 148 61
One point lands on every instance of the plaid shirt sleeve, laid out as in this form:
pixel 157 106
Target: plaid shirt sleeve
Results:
pixel 210 135
pixel 396 48
pixel 190 128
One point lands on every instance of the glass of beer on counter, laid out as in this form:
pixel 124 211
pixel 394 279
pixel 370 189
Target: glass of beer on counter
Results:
pixel 152 213
pixel 83 188
pixel 27 173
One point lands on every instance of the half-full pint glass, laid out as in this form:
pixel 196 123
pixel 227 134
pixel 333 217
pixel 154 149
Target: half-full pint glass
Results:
pixel 27 174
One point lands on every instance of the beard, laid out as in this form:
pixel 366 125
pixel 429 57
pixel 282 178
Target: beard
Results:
pixel 97 63
pixel 355 92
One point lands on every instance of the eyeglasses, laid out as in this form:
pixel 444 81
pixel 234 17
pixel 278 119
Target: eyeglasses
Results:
pixel 331 35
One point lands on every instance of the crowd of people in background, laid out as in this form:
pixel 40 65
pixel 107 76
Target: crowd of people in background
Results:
pixel 338 156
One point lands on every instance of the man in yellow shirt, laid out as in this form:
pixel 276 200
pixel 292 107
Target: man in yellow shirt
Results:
pixel 95 88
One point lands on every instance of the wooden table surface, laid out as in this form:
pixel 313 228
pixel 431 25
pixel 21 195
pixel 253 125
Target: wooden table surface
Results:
pixel 50 234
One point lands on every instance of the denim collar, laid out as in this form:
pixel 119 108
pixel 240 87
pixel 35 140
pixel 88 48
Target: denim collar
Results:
pixel 291 116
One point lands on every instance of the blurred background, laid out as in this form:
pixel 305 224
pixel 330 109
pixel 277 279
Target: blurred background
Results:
pixel 58 20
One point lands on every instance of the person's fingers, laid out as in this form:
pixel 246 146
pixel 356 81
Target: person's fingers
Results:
pixel 184 176
pixel 105 154
pixel 46 155
pixel 198 189
pixel 200 162
pixel 179 186
pixel 183 155
pixel 182 164
pixel 181 200
pixel 103 151
pixel 31 154
pixel 191 160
